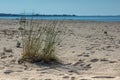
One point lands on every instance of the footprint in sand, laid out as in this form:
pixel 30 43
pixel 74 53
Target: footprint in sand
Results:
pixel 65 77
pixel 2 67
pixel 84 54
pixel 8 71
pixel 108 77
pixel 94 60
pixel 25 78
pixel 85 79
pixel 73 78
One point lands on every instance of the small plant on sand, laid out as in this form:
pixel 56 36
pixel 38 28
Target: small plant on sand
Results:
pixel 39 41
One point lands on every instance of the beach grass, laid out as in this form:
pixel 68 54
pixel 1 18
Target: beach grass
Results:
pixel 40 41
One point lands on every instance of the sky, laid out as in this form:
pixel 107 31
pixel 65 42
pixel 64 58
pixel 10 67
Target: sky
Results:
pixel 77 7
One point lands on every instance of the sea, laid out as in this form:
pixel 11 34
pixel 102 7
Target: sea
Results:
pixel 81 18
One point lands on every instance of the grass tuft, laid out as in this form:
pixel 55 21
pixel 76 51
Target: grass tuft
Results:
pixel 40 41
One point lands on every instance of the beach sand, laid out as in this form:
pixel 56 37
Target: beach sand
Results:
pixel 89 51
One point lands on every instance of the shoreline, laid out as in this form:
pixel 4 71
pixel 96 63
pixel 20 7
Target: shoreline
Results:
pixel 79 21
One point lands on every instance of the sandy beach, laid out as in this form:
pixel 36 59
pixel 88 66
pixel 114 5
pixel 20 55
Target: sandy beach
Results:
pixel 89 51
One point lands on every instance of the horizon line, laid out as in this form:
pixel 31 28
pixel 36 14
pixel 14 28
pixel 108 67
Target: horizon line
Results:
pixel 37 14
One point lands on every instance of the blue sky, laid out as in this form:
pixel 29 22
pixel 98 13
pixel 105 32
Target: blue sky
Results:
pixel 78 7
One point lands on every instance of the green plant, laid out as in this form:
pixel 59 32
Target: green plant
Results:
pixel 39 42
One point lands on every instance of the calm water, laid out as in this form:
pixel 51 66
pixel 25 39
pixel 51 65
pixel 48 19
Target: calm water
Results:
pixel 84 18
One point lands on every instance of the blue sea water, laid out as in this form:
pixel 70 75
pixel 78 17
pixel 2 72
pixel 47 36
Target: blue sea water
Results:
pixel 82 18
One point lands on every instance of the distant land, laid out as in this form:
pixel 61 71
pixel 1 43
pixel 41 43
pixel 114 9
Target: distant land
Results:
pixel 8 14
pixel 5 14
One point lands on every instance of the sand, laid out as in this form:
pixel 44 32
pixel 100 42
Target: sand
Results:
pixel 89 51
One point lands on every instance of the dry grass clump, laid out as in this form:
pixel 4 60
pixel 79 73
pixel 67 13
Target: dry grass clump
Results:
pixel 39 41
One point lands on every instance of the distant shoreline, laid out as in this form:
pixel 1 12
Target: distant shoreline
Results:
pixel 69 21
pixel 6 14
